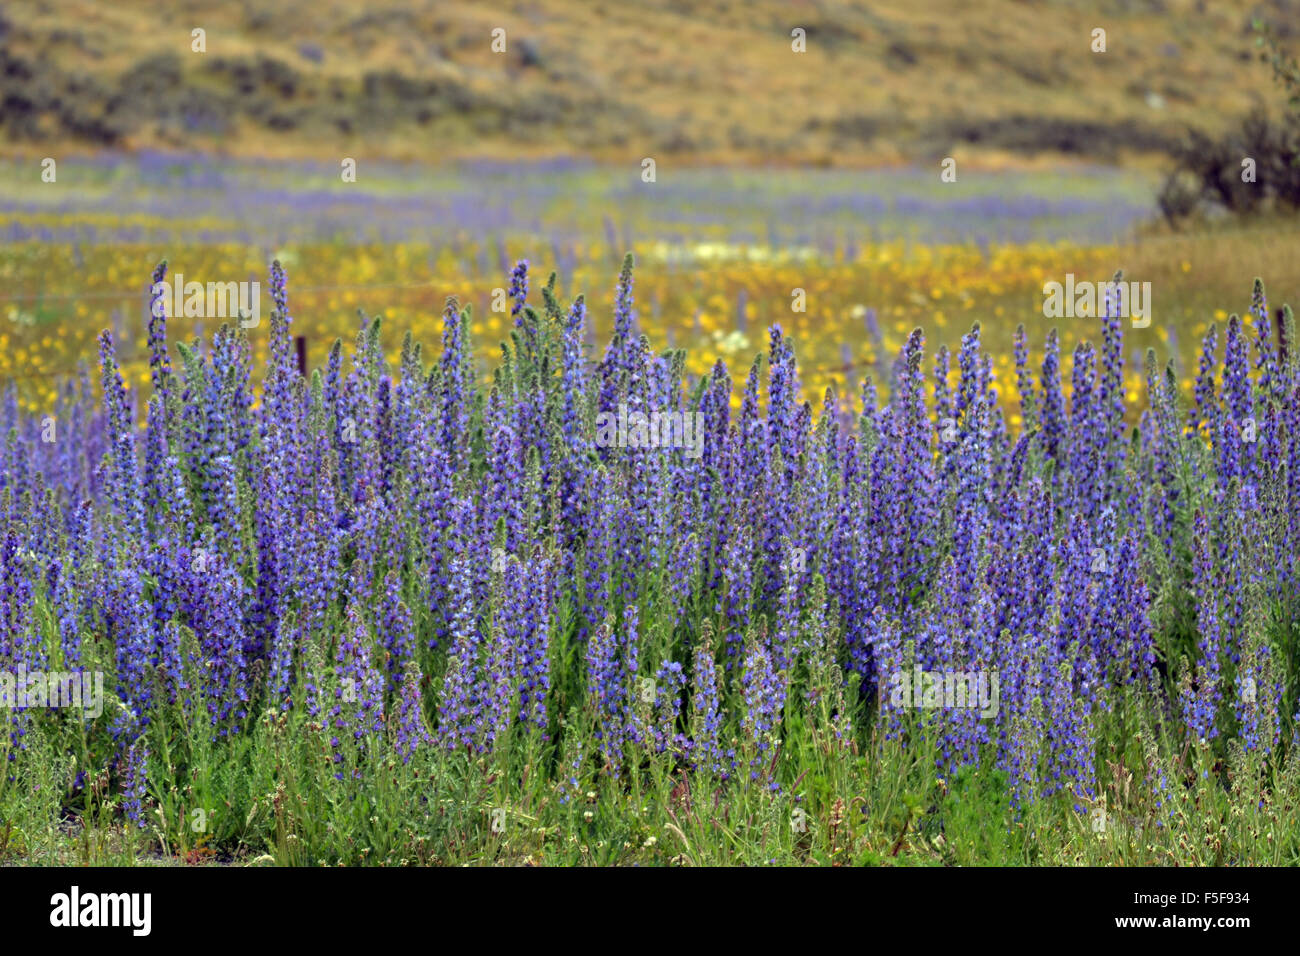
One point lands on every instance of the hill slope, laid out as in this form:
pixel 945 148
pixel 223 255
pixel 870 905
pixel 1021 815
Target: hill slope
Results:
pixel 708 80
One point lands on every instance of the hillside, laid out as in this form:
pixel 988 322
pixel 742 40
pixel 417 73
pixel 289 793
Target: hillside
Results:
pixel 699 80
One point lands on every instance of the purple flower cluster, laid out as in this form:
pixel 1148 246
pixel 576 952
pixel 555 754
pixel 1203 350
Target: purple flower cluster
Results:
pixel 424 520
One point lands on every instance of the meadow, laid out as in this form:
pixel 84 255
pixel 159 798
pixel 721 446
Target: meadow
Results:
pixel 720 253
pixel 421 606
pixel 650 440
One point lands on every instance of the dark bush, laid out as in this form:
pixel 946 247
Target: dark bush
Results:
pixel 1212 173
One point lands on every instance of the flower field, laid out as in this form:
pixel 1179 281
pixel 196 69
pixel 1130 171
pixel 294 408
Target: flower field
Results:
pixel 876 253
pixel 1028 600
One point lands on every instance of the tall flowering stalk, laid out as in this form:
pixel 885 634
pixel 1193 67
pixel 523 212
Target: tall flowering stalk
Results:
pixel 159 366
pixel 1201 704
pixel 358 710
pixel 764 693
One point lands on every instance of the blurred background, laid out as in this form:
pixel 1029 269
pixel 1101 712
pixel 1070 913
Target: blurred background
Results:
pixel 795 145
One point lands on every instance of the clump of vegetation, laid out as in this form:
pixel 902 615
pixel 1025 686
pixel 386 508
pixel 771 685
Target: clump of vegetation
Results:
pixel 1253 169
pixel 395 614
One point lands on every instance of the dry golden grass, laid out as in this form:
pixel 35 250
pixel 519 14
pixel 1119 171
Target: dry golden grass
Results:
pixel 712 80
